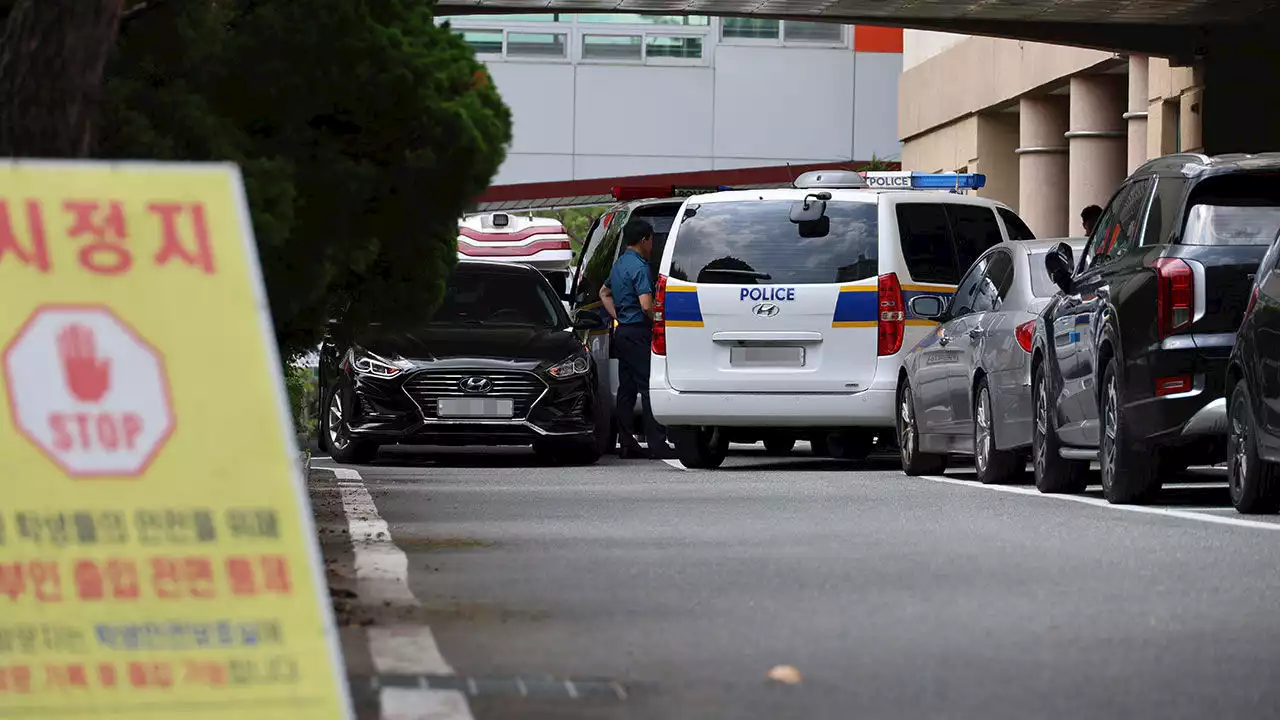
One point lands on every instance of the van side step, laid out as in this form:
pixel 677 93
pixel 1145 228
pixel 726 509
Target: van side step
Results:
pixel 1069 453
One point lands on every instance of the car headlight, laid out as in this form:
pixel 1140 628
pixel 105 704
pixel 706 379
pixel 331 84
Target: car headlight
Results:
pixel 366 363
pixel 571 367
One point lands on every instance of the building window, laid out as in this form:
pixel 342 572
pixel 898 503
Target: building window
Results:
pixel 550 45
pixel 812 32
pixel 636 19
pixel 483 42
pixel 673 46
pixel 750 28
pixel 612 47
pixel 529 17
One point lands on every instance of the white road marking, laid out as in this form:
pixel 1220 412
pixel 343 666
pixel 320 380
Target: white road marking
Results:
pixel 1102 503
pixel 413 704
pixel 382 569
pixel 382 578
pixel 675 464
pixel 406 650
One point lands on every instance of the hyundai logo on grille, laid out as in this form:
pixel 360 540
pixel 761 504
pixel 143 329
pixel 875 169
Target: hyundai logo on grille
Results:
pixel 765 309
pixel 475 384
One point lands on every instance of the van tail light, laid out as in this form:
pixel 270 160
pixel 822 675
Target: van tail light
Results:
pixel 1024 333
pixel 1253 300
pixel 1175 296
pixel 659 321
pixel 891 323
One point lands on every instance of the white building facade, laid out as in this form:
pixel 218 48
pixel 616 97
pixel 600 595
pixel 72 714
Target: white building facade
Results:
pixel 620 95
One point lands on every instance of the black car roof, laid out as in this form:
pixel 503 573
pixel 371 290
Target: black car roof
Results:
pixel 1193 165
pixel 497 266
pixel 634 204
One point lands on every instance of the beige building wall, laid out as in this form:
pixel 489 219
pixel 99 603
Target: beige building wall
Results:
pixel 1053 128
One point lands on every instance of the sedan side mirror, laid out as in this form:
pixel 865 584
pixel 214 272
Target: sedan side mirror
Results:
pixel 1058 263
pixel 929 307
pixel 588 320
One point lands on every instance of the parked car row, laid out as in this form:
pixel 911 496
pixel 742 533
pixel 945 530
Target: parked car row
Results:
pixel 782 315
pixel 1127 356
pixel 858 315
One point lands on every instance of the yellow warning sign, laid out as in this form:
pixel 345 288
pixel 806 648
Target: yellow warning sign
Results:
pixel 157 555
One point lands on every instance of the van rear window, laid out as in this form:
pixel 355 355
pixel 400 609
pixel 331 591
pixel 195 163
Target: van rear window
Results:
pixel 755 243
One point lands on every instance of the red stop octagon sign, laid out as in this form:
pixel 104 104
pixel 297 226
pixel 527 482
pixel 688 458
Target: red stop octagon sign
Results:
pixel 88 391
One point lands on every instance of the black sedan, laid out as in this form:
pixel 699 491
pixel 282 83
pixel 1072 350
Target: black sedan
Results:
pixel 499 363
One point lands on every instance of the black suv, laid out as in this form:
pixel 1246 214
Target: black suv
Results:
pixel 1129 361
pixel 1253 396
pixel 498 363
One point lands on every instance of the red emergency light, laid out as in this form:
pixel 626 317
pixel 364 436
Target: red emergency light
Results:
pixel 625 193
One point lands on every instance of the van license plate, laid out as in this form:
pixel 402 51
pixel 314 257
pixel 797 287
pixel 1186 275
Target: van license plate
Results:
pixel 475 407
pixel 766 356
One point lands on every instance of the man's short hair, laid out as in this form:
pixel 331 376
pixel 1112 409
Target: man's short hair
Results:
pixel 635 232
pixel 1091 213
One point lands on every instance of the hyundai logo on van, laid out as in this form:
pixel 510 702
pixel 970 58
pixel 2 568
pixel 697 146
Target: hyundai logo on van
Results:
pixel 767 294
pixel 765 309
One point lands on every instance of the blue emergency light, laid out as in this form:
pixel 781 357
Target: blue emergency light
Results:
pixel 947 181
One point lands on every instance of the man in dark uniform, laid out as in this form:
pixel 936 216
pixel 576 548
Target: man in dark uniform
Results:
pixel 1089 218
pixel 628 297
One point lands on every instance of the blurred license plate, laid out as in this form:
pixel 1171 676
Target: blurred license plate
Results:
pixel 474 407
pixel 767 355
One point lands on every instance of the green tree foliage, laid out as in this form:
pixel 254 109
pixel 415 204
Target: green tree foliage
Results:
pixel 576 221
pixel 362 128
pixel 876 164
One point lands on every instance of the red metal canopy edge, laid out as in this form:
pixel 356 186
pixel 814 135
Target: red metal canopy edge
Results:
pixel 600 190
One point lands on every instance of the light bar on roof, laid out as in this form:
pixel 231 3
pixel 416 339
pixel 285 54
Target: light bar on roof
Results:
pixel 907 180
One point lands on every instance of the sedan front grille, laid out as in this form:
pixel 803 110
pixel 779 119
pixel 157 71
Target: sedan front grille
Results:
pixel 523 388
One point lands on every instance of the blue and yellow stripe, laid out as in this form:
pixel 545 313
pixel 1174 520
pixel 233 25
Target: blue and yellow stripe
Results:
pixel 681 308
pixel 859 305
pixel 856 306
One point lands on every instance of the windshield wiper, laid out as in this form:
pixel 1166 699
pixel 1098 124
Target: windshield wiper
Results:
pixel 742 273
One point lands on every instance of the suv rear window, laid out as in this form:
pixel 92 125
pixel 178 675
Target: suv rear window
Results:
pixel 755 243
pixel 1231 225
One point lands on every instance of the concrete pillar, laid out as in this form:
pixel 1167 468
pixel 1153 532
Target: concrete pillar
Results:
pixel 1042 164
pixel 997 145
pixel 1097 142
pixel 1139 83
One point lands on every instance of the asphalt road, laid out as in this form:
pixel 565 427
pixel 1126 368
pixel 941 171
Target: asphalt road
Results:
pixel 893 597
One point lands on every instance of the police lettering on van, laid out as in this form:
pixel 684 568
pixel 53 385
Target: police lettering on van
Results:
pixel 774 294
pixel 843 257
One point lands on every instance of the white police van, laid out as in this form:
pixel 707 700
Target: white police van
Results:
pixel 783 314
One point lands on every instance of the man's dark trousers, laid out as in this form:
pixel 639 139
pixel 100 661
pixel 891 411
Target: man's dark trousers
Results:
pixel 631 345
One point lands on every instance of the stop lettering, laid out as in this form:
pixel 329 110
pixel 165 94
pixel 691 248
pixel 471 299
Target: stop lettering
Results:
pixel 109 432
pixel 88 391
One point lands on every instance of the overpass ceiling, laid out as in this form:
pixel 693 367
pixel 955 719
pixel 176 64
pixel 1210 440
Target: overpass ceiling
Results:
pixel 909 13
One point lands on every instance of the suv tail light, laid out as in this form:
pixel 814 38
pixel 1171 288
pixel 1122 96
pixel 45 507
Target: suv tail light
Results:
pixel 1024 333
pixel 1175 296
pixel 659 323
pixel 891 323
pixel 1253 300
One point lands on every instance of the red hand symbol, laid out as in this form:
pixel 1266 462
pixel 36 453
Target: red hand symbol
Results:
pixel 88 377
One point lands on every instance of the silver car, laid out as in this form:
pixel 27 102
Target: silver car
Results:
pixel 966 388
